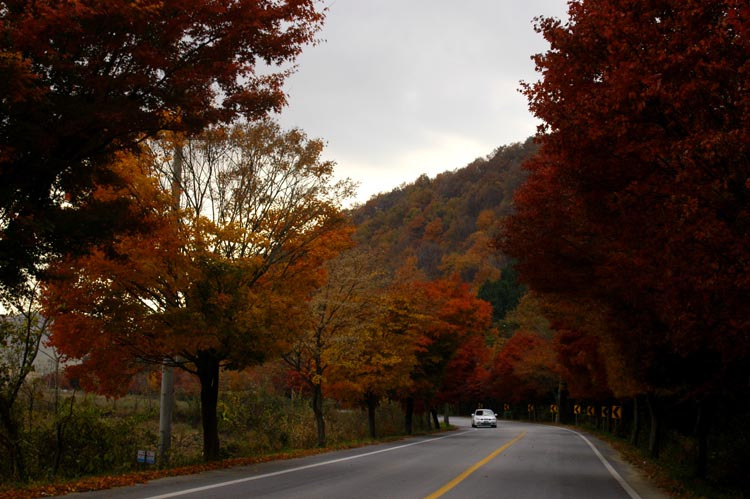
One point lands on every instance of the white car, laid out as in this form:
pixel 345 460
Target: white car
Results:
pixel 483 417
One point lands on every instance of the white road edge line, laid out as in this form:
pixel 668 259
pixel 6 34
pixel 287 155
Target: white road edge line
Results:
pixel 625 485
pixel 292 470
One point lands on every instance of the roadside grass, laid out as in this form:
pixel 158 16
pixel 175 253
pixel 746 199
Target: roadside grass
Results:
pixel 254 428
pixel 103 482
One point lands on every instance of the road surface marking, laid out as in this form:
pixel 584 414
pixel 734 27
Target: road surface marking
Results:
pixel 292 470
pixel 460 478
pixel 631 492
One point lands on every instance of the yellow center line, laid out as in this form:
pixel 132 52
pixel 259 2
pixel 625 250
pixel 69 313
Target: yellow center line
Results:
pixel 460 478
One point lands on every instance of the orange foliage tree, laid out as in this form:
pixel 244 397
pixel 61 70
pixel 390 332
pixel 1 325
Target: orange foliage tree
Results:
pixel 216 285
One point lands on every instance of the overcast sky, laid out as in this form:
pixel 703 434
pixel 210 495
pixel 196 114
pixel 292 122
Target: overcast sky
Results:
pixel 398 88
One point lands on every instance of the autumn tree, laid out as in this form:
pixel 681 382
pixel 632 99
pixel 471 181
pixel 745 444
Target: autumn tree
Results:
pixel 449 315
pixel 467 378
pixel 220 284
pixel 82 80
pixel 525 369
pixel 532 313
pixel 638 198
pixel 335 337
pixel 375 360
pixel 583 364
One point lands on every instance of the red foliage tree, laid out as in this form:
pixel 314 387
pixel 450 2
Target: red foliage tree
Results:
pixel 639 197
pixel 451 315
pixel 83 79
pixel 581 364
pixel 525 369
pixel 467 373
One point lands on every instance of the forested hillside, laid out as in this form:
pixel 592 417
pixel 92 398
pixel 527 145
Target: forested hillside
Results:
pixel 445 225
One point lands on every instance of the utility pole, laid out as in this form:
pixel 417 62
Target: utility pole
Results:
pixel 166 401
pixel 166 405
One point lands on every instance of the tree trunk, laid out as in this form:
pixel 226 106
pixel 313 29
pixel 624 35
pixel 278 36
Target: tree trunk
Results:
pixel 60 423
pixel 635 434
pixel 655 433
pixel 372 403
pixel 31 410
pixel 409 415
pixel 317 407
pixel 166 410
pixel 12 442
pixel 434 413
pixel 446 417
pixel 208 373
pixel 702 428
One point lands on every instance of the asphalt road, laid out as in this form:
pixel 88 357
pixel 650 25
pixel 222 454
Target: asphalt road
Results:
pixel 514 460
